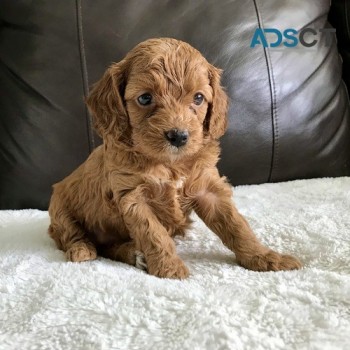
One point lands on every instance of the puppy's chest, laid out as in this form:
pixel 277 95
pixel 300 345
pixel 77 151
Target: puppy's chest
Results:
pixel 167 186
pixel 167 193
pixel 171 188
pixel 167 177
pixel 167 203
pixel 179 183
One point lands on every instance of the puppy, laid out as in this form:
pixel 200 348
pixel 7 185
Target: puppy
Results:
pixel 160 112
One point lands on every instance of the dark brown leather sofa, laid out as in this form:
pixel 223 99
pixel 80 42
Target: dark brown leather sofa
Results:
pixel 289 114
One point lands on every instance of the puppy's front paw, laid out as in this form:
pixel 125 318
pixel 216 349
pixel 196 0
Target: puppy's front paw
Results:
pixel 271 261
pixel 170 268
pixel 81 251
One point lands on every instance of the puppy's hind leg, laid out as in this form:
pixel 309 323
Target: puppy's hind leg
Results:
pixel 71 238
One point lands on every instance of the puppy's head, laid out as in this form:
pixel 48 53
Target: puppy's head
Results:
pixel 163 100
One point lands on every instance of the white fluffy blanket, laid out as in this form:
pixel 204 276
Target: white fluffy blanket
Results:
pixel 48 303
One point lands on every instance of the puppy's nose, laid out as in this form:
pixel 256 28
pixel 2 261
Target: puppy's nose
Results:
pixel 177 137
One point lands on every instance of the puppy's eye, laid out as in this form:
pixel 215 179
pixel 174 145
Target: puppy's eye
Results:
pixel 145 99
pixel 198 99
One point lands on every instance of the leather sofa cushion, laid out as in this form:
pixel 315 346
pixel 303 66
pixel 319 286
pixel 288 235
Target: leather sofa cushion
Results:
pixel 289 114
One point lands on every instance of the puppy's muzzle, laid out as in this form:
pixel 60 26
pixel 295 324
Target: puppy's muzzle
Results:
pixel 177 137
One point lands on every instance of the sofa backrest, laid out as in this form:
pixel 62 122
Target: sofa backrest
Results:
pixel 289 112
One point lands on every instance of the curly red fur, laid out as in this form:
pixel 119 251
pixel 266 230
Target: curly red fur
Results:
pixel 136 191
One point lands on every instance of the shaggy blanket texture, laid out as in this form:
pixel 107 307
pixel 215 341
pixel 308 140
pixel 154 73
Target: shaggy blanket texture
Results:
pixel 48 303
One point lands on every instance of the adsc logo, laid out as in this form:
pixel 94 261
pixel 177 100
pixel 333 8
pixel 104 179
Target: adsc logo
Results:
pixel 291 37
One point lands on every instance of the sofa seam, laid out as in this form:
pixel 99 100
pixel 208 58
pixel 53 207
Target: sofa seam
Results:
pixel 346 19
pixel 84 74
pixel 274 114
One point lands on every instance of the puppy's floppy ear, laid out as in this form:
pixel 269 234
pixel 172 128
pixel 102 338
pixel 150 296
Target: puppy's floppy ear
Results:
pixel 106 103
pixel 215 122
